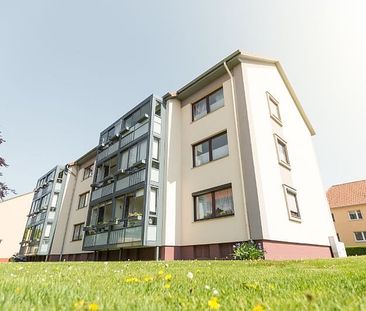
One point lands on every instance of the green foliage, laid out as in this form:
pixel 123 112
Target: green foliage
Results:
pixel 185 285
pixel 356 251
pixel 247 251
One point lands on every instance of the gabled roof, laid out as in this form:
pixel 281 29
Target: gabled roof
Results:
pixel 231 61
pixel 348 194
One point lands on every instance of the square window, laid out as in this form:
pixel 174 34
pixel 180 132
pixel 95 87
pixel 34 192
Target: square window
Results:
pixel 212 203
pixel 78 232
pixel 199 109
pixel 274 108
pixel 292 203
pixel 208 104
pixel 360 236
pixel 83 200
pixel 211 149
pixel 355 215
pixel 216 100
pixel 282 152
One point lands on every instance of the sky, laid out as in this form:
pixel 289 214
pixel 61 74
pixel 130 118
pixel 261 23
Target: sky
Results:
pixel 68 69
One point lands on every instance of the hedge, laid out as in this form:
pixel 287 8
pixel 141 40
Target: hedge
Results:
pixel 356 251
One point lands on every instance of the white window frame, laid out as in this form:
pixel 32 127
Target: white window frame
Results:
pixel 357 215
pixel 278 141
pixel 363 234
pixel 287 190
pixel 270 100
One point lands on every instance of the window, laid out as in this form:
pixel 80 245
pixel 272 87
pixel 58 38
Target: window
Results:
pixel 108 168
pixel 208 104
pixel 54 200
pixel 155 149
pixel 360 236
pixel 292 204
pixel 83 200
pixel 47 231
pixel 274 108
pixel 211 149
pixel 88 172
pixel 78 232
pixel 133 155
pixel 355 215
pixel 282 152
pixel 212 203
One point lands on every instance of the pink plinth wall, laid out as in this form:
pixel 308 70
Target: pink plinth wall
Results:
pixel 4 259
pixel 280 251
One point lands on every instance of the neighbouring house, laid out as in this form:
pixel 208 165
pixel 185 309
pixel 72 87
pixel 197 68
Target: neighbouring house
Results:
pixel 225 159
pixel 68 237
pixel 13 217
pixel 348 206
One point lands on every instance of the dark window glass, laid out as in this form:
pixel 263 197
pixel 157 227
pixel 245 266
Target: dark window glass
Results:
pixel 211 149
pixel 213 204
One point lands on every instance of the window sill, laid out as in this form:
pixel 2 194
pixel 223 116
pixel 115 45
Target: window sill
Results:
pixel 225 156
pixel 76 240
pixel 285 165
pixel 295 219
pixel 212 218
pixel 278 121
pixel 364 241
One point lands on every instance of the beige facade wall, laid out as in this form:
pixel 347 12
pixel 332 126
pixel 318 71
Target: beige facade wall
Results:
pixel 70 214
pixel 212 174
pixel 316 224
pixel 13 217
pixel 346 227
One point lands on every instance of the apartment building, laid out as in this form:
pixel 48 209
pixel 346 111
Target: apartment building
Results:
pixel 226 158
pixel 42 218
pixel 125 203
pixel 348 206
pixel 240 165
pixel 68 237
pixel 13 217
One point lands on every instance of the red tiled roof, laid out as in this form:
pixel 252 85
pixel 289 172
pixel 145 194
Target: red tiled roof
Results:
pixel 352 193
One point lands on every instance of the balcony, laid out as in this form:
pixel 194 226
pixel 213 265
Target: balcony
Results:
pixel 115 237
pixel 131 180
pixel 134 133
pixel 108 151
pixel 101 192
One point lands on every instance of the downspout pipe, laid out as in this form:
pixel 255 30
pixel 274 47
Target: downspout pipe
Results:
pixel 247 229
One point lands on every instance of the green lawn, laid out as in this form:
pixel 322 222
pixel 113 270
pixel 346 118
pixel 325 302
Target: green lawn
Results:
pixel 336 284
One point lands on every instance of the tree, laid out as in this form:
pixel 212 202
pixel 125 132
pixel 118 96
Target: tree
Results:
pixel 4 189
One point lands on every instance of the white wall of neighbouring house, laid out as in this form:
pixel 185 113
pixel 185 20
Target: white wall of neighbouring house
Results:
pixel 316 224
pixel 13 217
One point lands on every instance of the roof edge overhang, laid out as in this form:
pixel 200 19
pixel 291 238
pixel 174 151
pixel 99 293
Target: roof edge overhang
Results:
pixel 231 61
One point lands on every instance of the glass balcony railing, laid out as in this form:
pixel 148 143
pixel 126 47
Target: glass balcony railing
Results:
pixel 101 192
pixel 131 180
pixel 106 152
pixel 119 236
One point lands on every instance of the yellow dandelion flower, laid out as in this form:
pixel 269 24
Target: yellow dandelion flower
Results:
pixel 93 307
pixel 79 305
pixel 258 307
pixel 18 290
pixel 167 285
pixel 148 278
pixel 213 303
pixel 161 272
pixel 132 280
pixel 168 277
